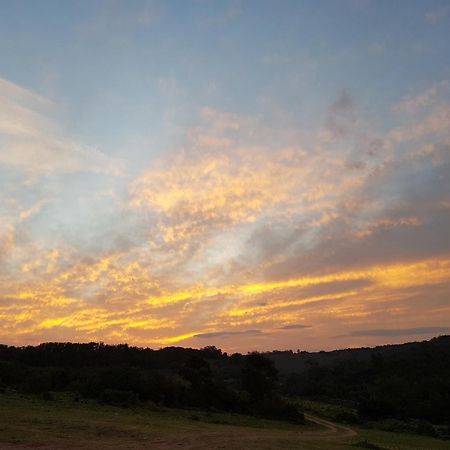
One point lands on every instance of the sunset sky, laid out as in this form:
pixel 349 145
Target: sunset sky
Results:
pixel 254 175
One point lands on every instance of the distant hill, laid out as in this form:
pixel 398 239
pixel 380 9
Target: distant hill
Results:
pixel 436 349
pixel 406 381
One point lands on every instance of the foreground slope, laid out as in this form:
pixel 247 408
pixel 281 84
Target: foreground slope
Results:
pixel 28 422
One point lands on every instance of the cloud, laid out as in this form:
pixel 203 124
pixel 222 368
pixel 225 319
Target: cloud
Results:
pixel 413 104
pixel 113 17
pixel 32 142
pixel 222 334
pixel 396 212
pixel 279 300
pixel 341 118
pixel 7 241
pixel 400 331
pixel 220 15
pixel 437 15
pixel 435 124
pixel 343 104
pixel 377 47
pixel 196 192
pixel 295 326
pixel 246 225
pixel 225 182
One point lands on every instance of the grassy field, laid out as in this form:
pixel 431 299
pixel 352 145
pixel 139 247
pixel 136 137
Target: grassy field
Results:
pixel 399 441
pixel 27 422
pixel 327 410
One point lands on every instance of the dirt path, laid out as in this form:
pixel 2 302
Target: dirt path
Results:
pixel 332 429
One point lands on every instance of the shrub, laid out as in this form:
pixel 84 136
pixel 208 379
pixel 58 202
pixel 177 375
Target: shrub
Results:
pixel 279 410
pixel 347 417
pixel 37 383
pixel 374 409
pixel 47 396
pixel 117 397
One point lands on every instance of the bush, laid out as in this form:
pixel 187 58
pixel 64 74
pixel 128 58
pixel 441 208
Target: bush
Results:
pixel 347 417
pixel 47 396
pixel 37 383
pixel 117 397
pixel 374 409
pixel 424 427
pixel 279 410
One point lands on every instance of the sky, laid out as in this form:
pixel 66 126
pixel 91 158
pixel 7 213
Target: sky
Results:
pixel 254 175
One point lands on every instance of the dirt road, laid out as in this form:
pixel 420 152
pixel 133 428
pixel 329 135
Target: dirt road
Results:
pixel 332 429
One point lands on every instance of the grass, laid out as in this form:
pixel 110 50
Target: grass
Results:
pixel 63 423
pixel 326 410
pixel 398 441
pixel 371 438
pixel 27 421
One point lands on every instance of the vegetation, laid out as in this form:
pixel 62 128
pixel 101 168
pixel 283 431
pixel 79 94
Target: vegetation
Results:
pixel 125 376
pixel 393 388
pixel 396 387
pixel 29 422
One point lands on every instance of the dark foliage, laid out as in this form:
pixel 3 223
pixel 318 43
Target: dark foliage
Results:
pixel 409 382
pixel 118 397
pixel 125 376
pixel 404 382
pixel 259 376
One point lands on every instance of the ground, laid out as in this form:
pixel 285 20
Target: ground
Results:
pixel 27 423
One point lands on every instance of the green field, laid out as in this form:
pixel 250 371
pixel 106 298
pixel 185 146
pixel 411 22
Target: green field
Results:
pixel 28 422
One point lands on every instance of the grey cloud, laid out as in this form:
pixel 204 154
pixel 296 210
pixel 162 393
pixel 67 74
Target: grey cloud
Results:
pixel 405 190
pixel 375 146
pixel 356 165
pixel 342 250
pixel 295 326
pixel 435 16
pixel 341 117
pixel 269 241
pixel 343 104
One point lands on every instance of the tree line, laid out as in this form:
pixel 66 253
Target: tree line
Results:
pixel 401 382
pixel 125 376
